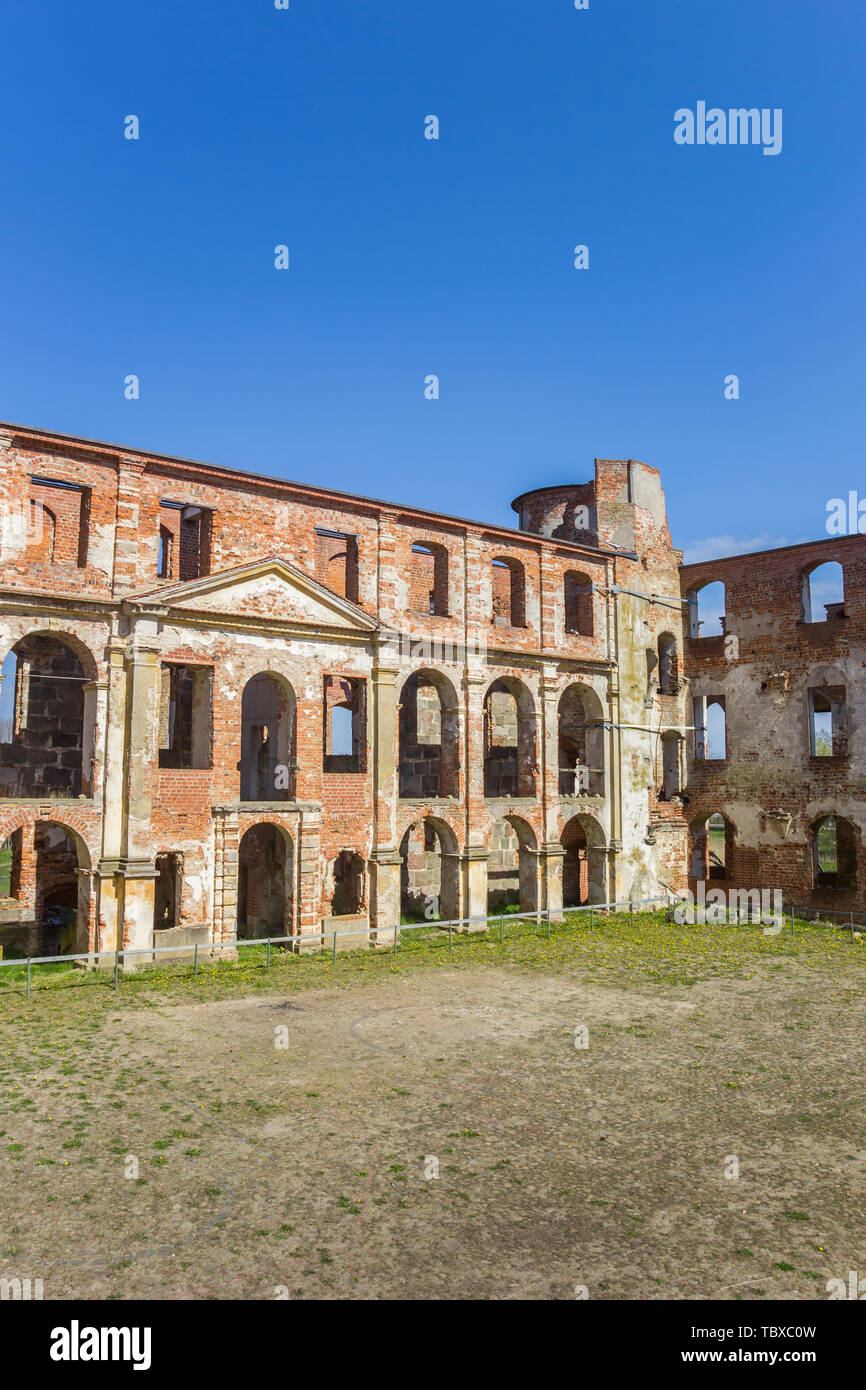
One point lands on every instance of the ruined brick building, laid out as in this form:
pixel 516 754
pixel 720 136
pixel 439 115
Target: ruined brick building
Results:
pixel 238 706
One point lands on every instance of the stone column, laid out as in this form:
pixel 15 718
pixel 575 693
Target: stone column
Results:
pixel 307 847
pixel 475 683
pixel 384 864
pixel 473 884
pixel 143 694
pixel 551 852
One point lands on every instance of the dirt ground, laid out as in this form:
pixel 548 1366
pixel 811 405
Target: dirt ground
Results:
pixel 440 1132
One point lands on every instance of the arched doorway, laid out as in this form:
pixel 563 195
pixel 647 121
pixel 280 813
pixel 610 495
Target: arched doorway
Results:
pixel 713 839
pixel 267 739
pixel 583 866
pixel 512 868
pixel 265 882
pixel 429 873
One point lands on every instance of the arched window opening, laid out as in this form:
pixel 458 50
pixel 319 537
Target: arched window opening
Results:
pixel 581 743
pixel 267 740
pixel 707 610
pixel 42 717
pixel 509 740
pixel 710 728
pixel 428 732
pixel 834 854
pixel 165 554
pixel 712 847
pixel 823 590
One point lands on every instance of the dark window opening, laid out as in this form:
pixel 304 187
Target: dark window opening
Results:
pixel 186 716
pixel 428 759
pixel 707 610
pixel 669 676
pixel 428 580
pixel 59 522
pixel 268 739
pixel 167 891
pixel 184 541
pixel 347 899
pixel 834 854
pixel 710 728
pixel 823 592
pixel 578 604
pixel 509 593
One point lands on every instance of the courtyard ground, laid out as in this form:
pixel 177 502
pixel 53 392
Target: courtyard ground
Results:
pixel 431 1126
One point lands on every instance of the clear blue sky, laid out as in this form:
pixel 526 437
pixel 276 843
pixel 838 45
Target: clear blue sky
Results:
pixel 411 257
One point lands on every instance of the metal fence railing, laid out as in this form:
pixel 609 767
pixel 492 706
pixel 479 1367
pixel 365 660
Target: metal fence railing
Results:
pixel 383 937
pixel 389 937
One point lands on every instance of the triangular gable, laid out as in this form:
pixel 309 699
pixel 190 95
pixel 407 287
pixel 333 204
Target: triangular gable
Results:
pixel 271 588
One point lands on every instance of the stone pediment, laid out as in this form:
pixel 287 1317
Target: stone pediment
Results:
pixel 271 589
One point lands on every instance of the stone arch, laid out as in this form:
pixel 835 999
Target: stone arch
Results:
pixel 51 885
pixel 268 738
pixel 428 758
pixel 512 866
pixel 713 840
pixel 584 866
pixel 835 845
pixel 510 754
pixel 429 871
pixel 266 881
pixel 822 589
pixel 49 717
pixel 707 602
pixel 581 741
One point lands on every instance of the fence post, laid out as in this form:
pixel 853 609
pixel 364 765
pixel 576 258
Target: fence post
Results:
pixel 851 919
pixel 116 959
pixel 195 962
pixel 395 941
pixel 591 915
pixel 28 977
pixel 449 938
pixel 502 929
pixel 268 963
pixel 548 924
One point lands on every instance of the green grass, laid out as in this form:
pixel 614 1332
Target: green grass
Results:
pixel 619 948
